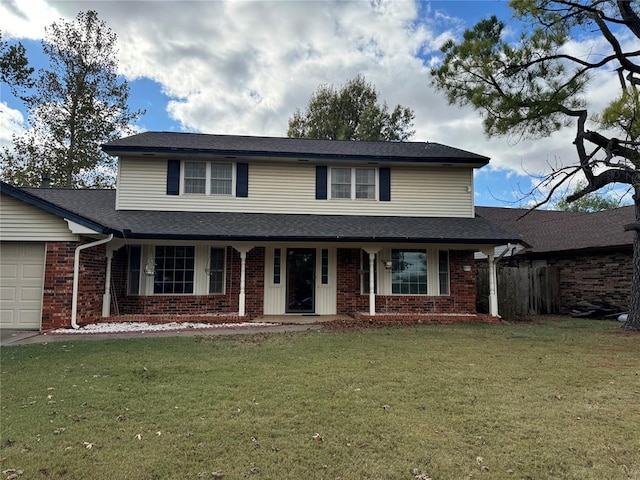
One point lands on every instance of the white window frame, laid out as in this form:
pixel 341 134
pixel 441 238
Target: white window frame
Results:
pixel 224 270
pixel 426 264
pixel 448 292
pixel 376 187
pixel 207 191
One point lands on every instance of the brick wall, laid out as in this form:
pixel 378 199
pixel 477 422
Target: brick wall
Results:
pixel 58 284
pixel 199 304
pixel 461 300
pixel 595 277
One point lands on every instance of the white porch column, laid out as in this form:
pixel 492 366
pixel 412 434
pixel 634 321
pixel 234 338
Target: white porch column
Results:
pixel 372 251
pixel 106 298
pixel 493 287
pixel 242 250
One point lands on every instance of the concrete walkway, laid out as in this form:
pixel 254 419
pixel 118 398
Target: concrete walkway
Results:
pixel 22 337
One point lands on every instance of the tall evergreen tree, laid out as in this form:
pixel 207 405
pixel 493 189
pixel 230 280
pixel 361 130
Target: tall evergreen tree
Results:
pixel 535 86
pixel 77 103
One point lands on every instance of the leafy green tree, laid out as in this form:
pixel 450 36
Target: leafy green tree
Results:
pixel 77 104
pixel 535 86
pixel 592 202
pixel 14 66
pixel 352 112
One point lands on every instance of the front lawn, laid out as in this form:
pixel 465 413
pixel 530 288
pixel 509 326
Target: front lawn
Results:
pixel 559 399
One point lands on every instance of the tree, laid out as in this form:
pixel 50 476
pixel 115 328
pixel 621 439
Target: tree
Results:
pixel 592 202
pixel 351 113
pixel 76 104
pixel 535 86
pixel 14 66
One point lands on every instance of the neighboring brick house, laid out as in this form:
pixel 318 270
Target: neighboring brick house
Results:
pixel 591 251
pixel 221 227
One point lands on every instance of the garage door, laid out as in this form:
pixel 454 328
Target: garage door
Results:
pixel 21 278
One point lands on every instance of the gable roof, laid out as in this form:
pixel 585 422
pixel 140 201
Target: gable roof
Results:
pixel 304 148
pixel 96 208
pixel 555 231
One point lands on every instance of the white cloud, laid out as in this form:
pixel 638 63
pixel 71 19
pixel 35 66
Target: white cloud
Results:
pixel 26 19
pixel 11 123
pixel 242 67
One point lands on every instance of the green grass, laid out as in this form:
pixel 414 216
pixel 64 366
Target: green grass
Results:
pixel 559 399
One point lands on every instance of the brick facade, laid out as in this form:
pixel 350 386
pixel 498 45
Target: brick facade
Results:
pixel 458 306
pixel 462 299
pixel 58 284
pixel 603 277
pixel 213 305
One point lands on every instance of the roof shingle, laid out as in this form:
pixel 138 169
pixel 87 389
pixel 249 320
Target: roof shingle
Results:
pixel 291 147
pixel 98 206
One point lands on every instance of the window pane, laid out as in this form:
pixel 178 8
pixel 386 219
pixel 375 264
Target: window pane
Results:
pixel 409 274
pixel 325 267
pixel 195 177
pixel 277 258
pixel 364 279
pixel 365 183
pixel 443 271
pixel 135 252
pixel 340 183
pixel 174 269
pixel 221 178
pixel 216 270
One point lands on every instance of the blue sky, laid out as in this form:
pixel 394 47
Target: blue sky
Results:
pixel 240 67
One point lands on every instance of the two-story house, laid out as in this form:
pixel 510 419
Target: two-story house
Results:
pixel 224 227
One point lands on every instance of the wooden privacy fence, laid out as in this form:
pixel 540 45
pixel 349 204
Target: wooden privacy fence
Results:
pixel 521 290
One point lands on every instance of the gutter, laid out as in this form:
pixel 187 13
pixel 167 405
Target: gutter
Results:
pixel 76 274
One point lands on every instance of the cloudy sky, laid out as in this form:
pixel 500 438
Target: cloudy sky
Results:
pixel 243 67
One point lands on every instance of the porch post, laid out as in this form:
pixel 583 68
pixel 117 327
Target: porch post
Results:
pixel 372 294
pixel 106 298
pixel 243 264
pixel 493 295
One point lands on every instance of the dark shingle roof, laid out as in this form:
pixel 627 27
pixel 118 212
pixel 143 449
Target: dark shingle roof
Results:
pixel 98 206
pixel 232 145
pixel 554 231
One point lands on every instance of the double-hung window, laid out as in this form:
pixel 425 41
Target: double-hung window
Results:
pixel 364 277
pixel 216 269
pixel 443 272
pixel 208 178
pixel 409 274
pixel 353 183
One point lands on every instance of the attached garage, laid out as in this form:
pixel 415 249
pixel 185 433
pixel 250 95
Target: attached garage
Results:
pixel 21 281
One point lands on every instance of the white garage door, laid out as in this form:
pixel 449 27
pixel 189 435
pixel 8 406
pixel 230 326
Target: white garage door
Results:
pixel 21 278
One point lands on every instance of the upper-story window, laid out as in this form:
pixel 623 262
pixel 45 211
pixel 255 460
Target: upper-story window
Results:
pixel 353 183
pixel 208 178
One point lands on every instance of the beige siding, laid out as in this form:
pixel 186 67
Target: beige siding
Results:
pixel 20 221
pixel 290 188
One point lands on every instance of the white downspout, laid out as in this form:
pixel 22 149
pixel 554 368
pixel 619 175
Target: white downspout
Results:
pixel 76 274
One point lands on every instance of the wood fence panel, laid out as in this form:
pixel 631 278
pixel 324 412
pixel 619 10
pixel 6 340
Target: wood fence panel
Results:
pixel 521 290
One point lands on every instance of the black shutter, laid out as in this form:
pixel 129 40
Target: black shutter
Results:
pixel 321 182
pixel 384 175
pixel 242 179
pixel 173 177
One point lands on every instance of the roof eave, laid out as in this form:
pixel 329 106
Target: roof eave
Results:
pixel 478 162
pixel 303 239
pixel 49 207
